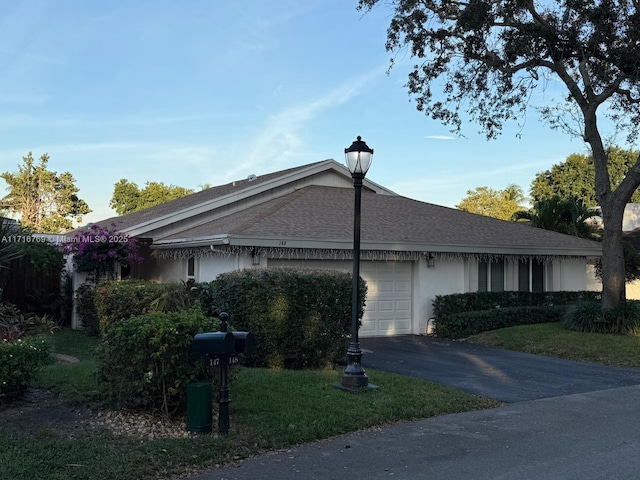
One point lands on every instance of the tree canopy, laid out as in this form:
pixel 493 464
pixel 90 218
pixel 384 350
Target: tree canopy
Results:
pixel 46 201
pixel 565 215
pixel 574 176
pixel 487 201
pixel 128 197
pixel 487 57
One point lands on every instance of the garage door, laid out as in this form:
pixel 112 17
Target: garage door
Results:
pixel 388 307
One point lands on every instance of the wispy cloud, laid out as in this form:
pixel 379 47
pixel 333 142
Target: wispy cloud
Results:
pixel 282 139
pixel 441 137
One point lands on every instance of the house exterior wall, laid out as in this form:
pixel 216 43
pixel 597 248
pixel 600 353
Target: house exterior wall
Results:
pixel 445 277
pixel 570 275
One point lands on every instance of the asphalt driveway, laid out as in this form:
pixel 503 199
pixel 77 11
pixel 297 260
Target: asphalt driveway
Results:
pixel 503 375
pixel 564 421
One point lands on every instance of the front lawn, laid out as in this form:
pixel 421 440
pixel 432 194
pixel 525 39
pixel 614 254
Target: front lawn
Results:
pixel 554 340
pixel 270 409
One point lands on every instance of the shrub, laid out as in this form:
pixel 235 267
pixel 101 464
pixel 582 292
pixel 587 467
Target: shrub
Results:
pixel 461 325
pixel 14 324
pixel 19 363
pixel 300 318
pixel 86 308
pixel 590 317
pixel 144 362
pixel 447 307
pixel 118 299
pixel 99 250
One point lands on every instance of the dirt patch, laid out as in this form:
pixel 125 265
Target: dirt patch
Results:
pixel 42 411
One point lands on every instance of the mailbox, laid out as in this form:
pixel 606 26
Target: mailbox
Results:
pixel 213 344
pixel 244 342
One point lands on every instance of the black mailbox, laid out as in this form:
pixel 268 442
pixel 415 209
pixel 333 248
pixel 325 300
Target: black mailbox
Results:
pixel 244 342
pixel 213 344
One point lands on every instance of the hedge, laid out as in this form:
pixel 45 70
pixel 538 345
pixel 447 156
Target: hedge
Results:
pixel 144 362
pixel 461 325
pixel 118 299
pixel 301 318
pixel 463 314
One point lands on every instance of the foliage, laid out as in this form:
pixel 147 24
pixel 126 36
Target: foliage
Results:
pixel 10 249
pixel 631 263
pixel 574 177
pixel 47 201
pixel 100 249
pixel 565 215
pixel 85 303
pixel 462 325
pixel 19 363
pixel 144 362
pixel 591 317
pixel 463 314
pixel 14 324
pixel 493 203
pixel 301 318
pixel 128 197
pixel 118 299
pixel 488 59
pixel 446 305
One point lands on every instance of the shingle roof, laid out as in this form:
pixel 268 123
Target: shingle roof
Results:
pixel 123 222
pixel 326 213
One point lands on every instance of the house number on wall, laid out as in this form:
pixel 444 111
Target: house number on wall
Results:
pixel 282 243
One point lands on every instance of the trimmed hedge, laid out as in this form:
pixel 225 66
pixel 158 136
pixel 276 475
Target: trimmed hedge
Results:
pixel 301 318
pixel 144 362
pixel 463 314
pixel 461 325
pixel 118 299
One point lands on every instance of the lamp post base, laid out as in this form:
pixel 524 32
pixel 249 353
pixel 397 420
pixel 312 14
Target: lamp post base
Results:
pixel 354 379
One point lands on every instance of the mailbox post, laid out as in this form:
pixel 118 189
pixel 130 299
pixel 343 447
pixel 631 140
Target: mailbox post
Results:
pixel 222 348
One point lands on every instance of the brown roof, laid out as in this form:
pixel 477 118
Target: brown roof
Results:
pixel 326 213
pixel 123 222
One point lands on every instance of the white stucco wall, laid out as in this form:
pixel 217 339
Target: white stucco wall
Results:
pixel 570 275
pixel 445 277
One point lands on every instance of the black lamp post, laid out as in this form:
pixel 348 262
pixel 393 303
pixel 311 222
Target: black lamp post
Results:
pixel 354 378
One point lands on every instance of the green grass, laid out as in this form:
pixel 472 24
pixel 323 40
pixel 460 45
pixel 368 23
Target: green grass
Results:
pixel 269 409
pixel 554 340
pixel 73 381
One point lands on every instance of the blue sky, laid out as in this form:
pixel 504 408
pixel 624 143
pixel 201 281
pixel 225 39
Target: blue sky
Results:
pixel 198 91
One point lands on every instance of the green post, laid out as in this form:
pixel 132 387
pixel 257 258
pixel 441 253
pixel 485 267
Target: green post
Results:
pixel 199 418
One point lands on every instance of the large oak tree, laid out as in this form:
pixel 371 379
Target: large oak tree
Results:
pixel 487 57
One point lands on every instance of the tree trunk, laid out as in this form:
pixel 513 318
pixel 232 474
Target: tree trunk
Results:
pixel 613 270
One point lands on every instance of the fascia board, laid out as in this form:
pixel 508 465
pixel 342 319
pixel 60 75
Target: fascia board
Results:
pixel 345 244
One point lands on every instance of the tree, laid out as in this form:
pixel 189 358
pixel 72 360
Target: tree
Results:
pixel 486 201
pixel 574 176
pixel 46 201
pixel 489 56
pixel 565 215
pixel 128 197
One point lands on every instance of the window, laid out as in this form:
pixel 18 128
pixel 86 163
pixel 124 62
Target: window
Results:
pixel 491 276
pixel 191 268
pixel 531 276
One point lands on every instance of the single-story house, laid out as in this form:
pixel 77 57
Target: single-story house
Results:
pixel 303 217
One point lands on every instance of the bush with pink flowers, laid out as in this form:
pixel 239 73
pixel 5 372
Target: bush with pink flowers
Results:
pixel 99 250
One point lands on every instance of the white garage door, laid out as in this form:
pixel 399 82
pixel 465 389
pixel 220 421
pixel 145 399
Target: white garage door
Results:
pixel 388 307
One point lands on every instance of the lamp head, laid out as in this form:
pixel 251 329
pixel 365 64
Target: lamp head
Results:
pixel 358 157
